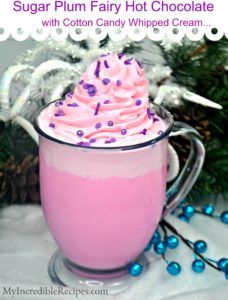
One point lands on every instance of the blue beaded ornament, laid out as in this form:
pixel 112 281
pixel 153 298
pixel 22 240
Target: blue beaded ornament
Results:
pixel 173 268
pixel 200 246
pixel 198 266
pixel 172 242
pixel 223 264
pixel 188 211
pixel 208 209
pixel 135 269
pixel 224 217
pixel 160 247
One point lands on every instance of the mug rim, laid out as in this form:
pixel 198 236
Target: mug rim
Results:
pixel 123 148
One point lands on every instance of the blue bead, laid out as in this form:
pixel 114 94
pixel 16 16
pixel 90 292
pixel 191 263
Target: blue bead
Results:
pixel 224 217
pixel 226 275
pixel 200 246
pixel 208 209
pixel 135 269
pixel 160 247
pixel 172 242
pixel 188 211
pixel 198 266
pixel 156 237
pixel 223 264
pixel 148 247
pixel 183 218
pixel 173 268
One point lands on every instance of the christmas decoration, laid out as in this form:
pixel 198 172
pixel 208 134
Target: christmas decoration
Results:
pixel 163 243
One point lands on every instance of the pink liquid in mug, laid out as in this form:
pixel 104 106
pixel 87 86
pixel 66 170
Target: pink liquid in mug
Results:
pixel 102 206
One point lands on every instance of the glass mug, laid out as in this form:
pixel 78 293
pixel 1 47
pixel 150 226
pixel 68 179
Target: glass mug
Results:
pixel 102 205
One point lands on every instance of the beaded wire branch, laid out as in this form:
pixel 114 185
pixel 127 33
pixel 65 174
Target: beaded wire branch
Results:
pixel 160 243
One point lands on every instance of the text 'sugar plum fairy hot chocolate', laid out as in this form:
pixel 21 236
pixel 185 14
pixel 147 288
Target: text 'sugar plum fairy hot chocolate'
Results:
pixel 102 183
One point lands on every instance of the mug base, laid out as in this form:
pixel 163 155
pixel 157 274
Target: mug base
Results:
pixel 65 273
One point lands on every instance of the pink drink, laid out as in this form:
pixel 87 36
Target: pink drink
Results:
pixel 102 206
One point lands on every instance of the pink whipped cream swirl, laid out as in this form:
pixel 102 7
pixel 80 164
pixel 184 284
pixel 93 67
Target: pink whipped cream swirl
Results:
pixel 109 105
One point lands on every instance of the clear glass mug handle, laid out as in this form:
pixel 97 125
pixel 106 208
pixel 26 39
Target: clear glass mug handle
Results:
pixel 187 177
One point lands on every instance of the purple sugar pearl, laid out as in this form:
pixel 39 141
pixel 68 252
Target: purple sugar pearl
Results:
pixel 92 91
pixel 110 123
pixel 97 70
pixel 120 55
pixel 106 101
pixel 81 81
pixel 52 125
pixel 98 125
pixel 80 133
pixel 103 55
pixel 72 104
pixel 59 113
pixel 86 144
pixel 123 131
pixel 144 131
pixel 138 102
pixel 97 109
pixel 160 132
pixel 118 83
pixel 106 64
pixel 80 143
pixel 93 140
pixel 106 81
pixel 58 103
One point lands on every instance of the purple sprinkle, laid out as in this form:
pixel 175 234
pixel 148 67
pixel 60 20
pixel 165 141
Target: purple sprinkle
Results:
pixel 128 61
pixel 106 64
pixel 69 95
pixel 123 131
pixel 86 86
pixel 81 81
pixel 160 132
pixel 106 81
pixel 120 55
pixel 138 102
pixel 93 140
pixel 97 70
pixel 97 109
pixel 148 113
pixel 103 55
pixel 155 119
pixel 118 83
pixel 80 144
pixel 110 123
pixel 144 131
pixel 52 125
pixel 80 133
pixel 72 105
pixel 59 113
pixel 98 125
pixel 139 63
pixel 107 102
pixel 112 140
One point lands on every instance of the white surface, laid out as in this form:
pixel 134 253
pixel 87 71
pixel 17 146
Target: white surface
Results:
pixel 26 247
